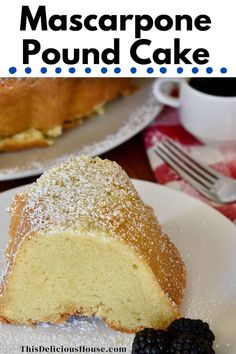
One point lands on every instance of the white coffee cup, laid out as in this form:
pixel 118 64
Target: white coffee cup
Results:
pixel 211 119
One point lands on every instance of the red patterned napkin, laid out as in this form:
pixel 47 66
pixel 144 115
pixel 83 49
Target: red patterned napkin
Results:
pixel 167 124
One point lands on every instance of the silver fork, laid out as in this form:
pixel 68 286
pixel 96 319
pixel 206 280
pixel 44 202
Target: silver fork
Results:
pixel 210 183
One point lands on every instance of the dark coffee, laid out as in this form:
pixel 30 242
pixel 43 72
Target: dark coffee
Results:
pixel 215 86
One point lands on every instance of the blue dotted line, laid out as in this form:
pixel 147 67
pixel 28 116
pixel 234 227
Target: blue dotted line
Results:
pixel 163 70
pixel 117 70
pixel 223 70
pixel 58 70
pixel 103 70
pixel 12 70
pixel 43 70
pixel 180 70
pixel 150 70
pixel 28 70
pixel 209 70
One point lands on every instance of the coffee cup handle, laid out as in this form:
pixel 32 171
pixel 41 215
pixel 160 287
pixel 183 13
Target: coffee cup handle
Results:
pixel 163 96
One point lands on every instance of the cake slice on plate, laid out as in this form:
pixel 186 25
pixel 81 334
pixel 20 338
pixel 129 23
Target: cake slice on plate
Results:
pixel 83 242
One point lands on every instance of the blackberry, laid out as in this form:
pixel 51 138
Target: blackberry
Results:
pixel 188 326
pixel 150 341
pixel 190 344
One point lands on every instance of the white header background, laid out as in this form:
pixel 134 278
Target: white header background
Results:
pixel 219 40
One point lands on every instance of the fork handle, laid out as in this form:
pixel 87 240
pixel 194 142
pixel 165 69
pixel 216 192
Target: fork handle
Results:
pixel 160 93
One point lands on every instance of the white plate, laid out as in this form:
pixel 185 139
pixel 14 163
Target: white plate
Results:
pixel 122 119
pixel 207 242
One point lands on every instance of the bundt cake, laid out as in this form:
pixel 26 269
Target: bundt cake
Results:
pixel 34 112
pixel 83 242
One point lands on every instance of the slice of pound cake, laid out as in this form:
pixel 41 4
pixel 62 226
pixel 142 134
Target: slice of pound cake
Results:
pixel 83 242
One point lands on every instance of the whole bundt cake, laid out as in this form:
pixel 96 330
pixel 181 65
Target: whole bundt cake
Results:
pixel 35 111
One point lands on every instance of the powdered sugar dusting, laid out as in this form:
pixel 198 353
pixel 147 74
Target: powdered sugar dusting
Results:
pixel 136 122
pixel 75 333
pixel 82 193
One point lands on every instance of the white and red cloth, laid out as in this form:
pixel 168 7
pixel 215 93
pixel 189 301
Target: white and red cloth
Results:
pixel 167 124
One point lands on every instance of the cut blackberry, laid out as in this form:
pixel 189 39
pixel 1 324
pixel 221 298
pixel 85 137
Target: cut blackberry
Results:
pixel 150 341
pixel 190 344
pixel 188 326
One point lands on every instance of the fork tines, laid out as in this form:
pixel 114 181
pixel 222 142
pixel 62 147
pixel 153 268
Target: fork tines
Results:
pixel 191 170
